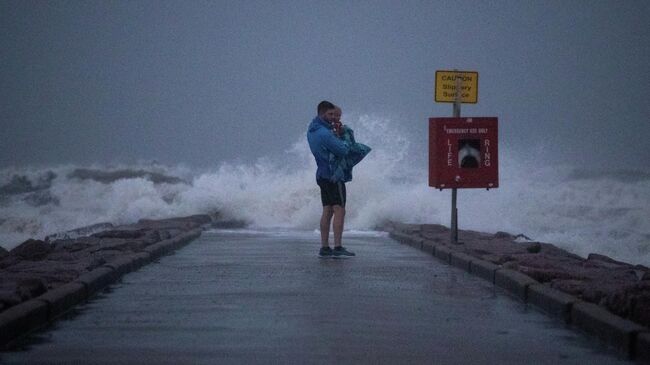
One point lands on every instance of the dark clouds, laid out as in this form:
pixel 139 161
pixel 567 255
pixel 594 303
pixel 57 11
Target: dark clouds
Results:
pixel 203 82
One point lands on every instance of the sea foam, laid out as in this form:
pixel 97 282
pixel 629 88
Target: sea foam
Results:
pixel 581 210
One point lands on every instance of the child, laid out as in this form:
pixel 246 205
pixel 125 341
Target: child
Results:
pixel 342 167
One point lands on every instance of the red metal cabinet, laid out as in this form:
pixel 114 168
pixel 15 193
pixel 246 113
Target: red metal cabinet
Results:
pixel 463 153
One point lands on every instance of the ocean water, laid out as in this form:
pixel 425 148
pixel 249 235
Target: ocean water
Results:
pixel 582 210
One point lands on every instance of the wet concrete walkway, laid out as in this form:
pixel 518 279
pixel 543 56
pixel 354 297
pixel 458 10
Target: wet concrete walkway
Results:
pixel 247 297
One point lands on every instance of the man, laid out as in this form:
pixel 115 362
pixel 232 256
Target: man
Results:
pixel 322 142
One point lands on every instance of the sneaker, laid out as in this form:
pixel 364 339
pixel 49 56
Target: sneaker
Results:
pixel 325 252
pixel 341 253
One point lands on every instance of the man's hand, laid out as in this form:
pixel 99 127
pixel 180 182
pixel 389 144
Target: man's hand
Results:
pixel 337 127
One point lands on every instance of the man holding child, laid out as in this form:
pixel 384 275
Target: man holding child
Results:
pixel 335 152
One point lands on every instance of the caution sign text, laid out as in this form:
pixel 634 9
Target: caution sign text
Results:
pixel 449 84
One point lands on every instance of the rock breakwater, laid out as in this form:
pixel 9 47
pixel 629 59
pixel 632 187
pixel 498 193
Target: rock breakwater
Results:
pixel 619 287
pixel 35 266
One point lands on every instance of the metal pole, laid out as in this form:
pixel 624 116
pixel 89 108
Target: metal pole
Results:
pixel 454 217
pixel 454 191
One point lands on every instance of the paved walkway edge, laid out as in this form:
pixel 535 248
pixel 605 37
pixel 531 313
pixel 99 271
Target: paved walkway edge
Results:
pixel 25 318
pixel 630 339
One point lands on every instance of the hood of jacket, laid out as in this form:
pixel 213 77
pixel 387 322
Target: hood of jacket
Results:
pixel 316 124
pixel 322 142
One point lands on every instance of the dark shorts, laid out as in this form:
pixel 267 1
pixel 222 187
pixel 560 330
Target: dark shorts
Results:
pixel 331 193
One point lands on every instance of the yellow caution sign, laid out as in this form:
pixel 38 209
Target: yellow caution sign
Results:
pixel 448 84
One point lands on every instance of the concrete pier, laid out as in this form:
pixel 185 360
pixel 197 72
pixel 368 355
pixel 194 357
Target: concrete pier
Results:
pixel 264 297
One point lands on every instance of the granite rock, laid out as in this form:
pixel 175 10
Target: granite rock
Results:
pixel 534 247
pixel 128 234
pixel 9 298
pixel 32 250
pixel 30 288
pixel 79 232
pixel 36 266
pixel 622 288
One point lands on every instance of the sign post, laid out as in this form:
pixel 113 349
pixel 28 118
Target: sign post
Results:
pixel 462 151
pixel 454 192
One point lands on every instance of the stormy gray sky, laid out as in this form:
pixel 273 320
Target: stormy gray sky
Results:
pixel 200 82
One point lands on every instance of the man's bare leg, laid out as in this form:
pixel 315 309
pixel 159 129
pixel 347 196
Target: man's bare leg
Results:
pixel 339 219
pixel 325 221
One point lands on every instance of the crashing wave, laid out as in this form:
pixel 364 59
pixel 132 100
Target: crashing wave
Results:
pixel 107 177
pixel 582 212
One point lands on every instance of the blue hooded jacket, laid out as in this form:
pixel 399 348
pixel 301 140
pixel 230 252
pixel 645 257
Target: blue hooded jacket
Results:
pixel 341 167
pixel 334 156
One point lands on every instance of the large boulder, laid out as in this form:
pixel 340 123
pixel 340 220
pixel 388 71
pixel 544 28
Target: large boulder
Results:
pixel 602 261
pixel 74 245
pixel 32 249
pixel 640 311
pixel 118 244
pixel 631 301
pixel 433 231
pixel 79 232
pixel 52 272
pixel 182 223
pixel 128 239
pixel 8 261
pixel 30 288
pixel 123 234
pixel 504 235
pixel 229 224
pixel 8 297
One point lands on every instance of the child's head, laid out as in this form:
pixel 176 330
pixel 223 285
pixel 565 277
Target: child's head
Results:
pixel 337 126
pixel 336 117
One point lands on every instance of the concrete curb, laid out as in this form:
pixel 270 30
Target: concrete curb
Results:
pixel 97 279
pixel 140 259
pixel 484 269
pixel 397 236
pixel 514 282
pixel 429 247
pixel 63 298
pixel 403 238
pixel 443 253
pixel 159 249
pixel 642 348
pixel 552 301
pixel 166 246
pixel 123 265
pixel 631 339
pixel 190 236
pixel 616 331
pixel 461 260
pixel 21 319
pixel 417 243
pixel 26 317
